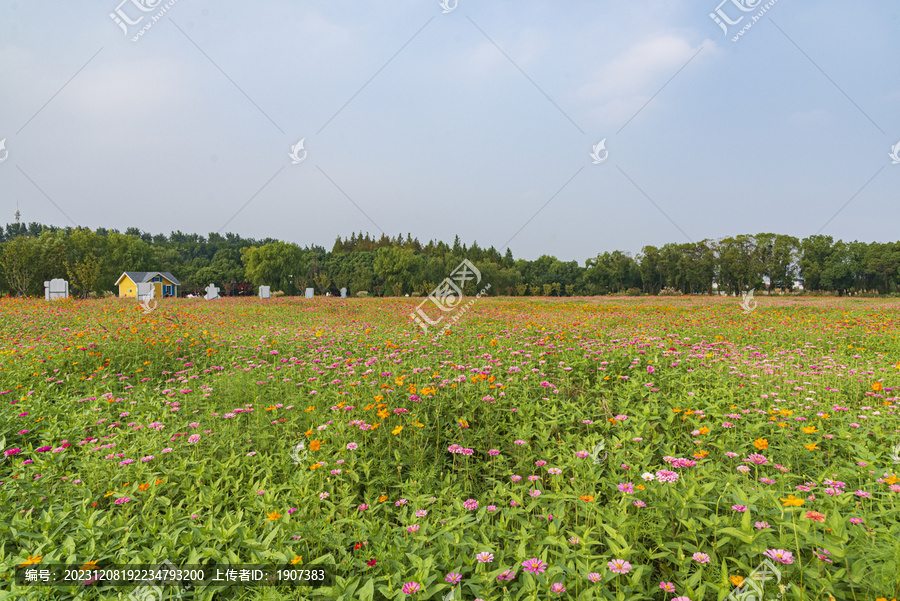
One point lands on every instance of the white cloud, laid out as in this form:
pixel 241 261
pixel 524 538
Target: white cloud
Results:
pixel 623 84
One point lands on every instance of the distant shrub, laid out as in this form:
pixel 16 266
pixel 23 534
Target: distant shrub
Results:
pixel 633 292
pixel 277 293
pixel 668 291
pixel 362 294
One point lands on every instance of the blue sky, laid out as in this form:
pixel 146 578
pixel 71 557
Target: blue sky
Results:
pixel 471 122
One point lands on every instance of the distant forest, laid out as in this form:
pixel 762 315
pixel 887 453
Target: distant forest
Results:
pixel 92 261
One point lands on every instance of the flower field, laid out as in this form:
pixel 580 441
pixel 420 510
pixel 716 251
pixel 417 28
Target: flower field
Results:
pixel 588 448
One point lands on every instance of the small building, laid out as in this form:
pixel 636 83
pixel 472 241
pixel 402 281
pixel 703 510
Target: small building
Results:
pixel 164 283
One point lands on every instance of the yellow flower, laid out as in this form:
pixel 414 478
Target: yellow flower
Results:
pixel 761 443
pixel 296 560
pixel 418 424
pixel 109 493
pixel 810 429
pixel 32 560
pixel 397 430
pixel 639 486
pixel 378 397
pixel 701 454
pixel 792 501
pixel 587 498
pixel 383 414
pixel 892 480
pixel 310 408
pixel 811 447
pixel 704 430
pixel 91 565
pixel 272 516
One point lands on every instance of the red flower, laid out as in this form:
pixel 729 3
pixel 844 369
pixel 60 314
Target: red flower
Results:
pixel 371 562
pixel 94 504
pixel 357 546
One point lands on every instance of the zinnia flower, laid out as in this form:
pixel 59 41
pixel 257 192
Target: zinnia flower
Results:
pixel 411 587
pixel 780 555
pixel 534 566
pixel 619 566
pixel 485 557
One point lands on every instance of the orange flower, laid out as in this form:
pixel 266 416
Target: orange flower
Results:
pixel 761 443
pixel 91 565
pixel 109 493
pixel 811 447
pixel 736 580
pixel 704 430
pixel 892 480
pixel 494 342
pixel 701 454
pixel 639 486
pixel 296 560
pixel 310 408
pixel 397 430
pixel 143 487
pixel 32 560
pixel 314 445
pixel 876 386
pixel 382 498
pixel 159 481
pixel 587 498
pixel 274 515
pixel 792 501
pixel 308 433
pixel 270 408
pixel 809 429
pixel 815 516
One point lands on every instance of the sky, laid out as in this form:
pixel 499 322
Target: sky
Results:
pixel 563 128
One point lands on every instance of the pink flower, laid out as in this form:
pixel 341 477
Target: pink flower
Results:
pixel 667 586
pixel 413 529
pixel 363 507
pixel 639 504
pixel 292 510
pixel 494 452
pixel 557 588
pixel 194 438
pixel 739 508
pixel 453 577
pixel 780 555
pixel 650 369
pixel 700 557
pixel 666 476
pixel 856 521
pixel 352 446
pixel 471 505
pixel 540 463
pixel 762 525
pixel 757 459
pixel 594 577
pixel 485 557
pixel 122 500
pixel 411 587
pixel 619 566
pixel 534 566
pixel 627 488
pixel 194 425
pixel 744 469
pixel 683 598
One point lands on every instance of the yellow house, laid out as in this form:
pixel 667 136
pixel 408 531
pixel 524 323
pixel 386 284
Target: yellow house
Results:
pixel 164 283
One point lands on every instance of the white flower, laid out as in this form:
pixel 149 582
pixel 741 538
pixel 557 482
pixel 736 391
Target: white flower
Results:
pixel 648 476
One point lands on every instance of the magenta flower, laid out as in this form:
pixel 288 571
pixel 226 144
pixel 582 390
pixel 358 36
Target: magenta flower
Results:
pixel 757 459
pixel 471 504
pixel 619 566
pixel 42 449
pixel 682 598
pixel 194 438
pixel 485 557
pixel 453 577
pixel 292 510
pixel 534 566
pixel 148 458
pixel 856 521
pixel 667 586
pixel 491 508
pixel 700 557
pixel 557 588
pixel 411 587
pixel 10 452
pixel 506 575
pixel 540 463
pixel 363 507
pixel 739 508
pixel 627 488
pixel 352 446
pixel 494 452
pixel 421 513
pixel 594 577
pixel 413 529
pixel 762 525
pixel 122 501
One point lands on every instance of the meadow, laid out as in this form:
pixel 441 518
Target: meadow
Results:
pixel 587 448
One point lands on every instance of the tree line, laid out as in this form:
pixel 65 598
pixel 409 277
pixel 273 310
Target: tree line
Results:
pixel 92 260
